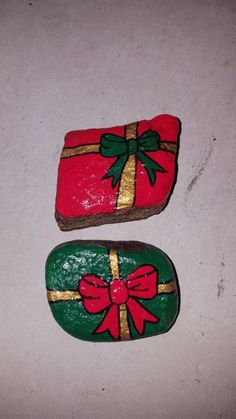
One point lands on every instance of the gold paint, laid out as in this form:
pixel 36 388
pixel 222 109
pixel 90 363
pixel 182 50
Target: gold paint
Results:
pixel 167 288
pixel 126 193
pixel 54 296
pixel 124 327
pixel 63 296
pixel 80 150
pixel 127 183
pixel 94 148
pixel 131 130
pixel 114 264
pixel 168 147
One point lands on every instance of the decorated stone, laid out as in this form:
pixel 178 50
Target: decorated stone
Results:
pixel 110 291
pixel 117 174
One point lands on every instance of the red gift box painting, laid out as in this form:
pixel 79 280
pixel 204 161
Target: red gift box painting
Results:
pixel 117 174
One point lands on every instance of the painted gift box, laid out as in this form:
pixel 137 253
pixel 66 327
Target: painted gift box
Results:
pixel 117 174
pixel 111 291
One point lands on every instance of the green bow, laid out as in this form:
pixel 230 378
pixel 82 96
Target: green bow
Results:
pixel 116 146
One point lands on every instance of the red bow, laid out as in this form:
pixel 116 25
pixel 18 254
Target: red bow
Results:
pixel 97 295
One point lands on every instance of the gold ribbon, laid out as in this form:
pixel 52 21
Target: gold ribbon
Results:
pixel 126 194
pixel 123 319
pixel 56 296
pixel 80 150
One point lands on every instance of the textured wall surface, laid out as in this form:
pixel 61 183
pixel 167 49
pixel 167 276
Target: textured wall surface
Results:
pixel 76 64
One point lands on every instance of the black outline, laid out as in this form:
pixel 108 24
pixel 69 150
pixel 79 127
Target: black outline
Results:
pixel 94 298
pixel 97 276
pixel 145 321
pixel 129 317
pixel 145 264
pixel 107 176
pixel 117 245
pixel 106 309
pixel 118 192
pixel 106 331
pixel 160 209
pixel 112 279
pixel 176 167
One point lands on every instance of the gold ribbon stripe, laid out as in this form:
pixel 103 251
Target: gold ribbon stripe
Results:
pixel 114 264
pixel 94 148
pixel 167 288
pixel 126 195
pixel 167 146
pixel 123 320
pixel 55 296
pixel 80 150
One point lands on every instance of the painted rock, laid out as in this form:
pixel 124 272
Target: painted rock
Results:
pixel 110 291
pixel 117 174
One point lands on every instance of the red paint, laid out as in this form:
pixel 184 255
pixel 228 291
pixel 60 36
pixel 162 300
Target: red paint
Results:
pixel 81 191
pixel 97 296
pixel 118 292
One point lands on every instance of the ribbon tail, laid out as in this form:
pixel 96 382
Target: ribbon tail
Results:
pixel 151 166
pixel 139 315
pixel 110 323
pixel 116 169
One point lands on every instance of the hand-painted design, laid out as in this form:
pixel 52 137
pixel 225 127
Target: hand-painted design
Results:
pixel 115 146
pixel 79 150
pixel 126 193
pixel 128 150
pixel 119 298
pixel 56 296
pixel 84 276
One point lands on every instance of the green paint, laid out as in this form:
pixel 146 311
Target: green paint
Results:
pixel 115 146
pixel 66 265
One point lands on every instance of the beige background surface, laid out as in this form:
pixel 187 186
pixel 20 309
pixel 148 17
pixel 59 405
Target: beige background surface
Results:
pixel 76 64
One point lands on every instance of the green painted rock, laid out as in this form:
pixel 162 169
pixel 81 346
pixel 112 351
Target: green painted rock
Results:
pixel 110 291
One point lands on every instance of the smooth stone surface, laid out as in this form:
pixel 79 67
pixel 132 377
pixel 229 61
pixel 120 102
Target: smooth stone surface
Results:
pixel 110 291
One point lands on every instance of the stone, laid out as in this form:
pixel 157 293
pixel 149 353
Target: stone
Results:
pixel 111 291
pixel 117 174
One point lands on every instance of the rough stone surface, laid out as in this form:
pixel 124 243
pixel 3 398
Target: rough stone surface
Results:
pixel 110 291
pixel 70 64
pixel 116 174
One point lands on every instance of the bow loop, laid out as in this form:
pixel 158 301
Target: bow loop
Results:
pixel 113 145
pixel 149 141
pixel 142 282
pixel 95 293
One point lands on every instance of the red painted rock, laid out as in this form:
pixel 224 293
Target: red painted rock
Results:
pixel 117 174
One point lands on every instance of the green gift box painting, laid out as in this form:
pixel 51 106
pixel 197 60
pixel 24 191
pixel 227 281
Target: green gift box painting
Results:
pixel 104 291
